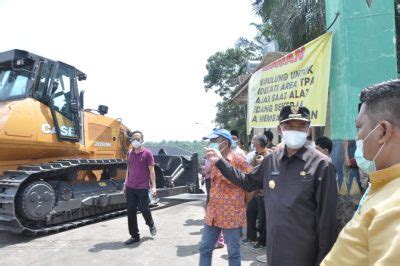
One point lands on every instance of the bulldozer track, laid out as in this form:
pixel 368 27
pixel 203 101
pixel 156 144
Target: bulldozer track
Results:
pixel 12 181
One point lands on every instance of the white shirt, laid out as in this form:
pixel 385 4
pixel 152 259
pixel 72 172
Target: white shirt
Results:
pixel 250 156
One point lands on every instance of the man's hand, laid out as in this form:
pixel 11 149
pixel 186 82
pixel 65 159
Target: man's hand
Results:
pixel 213 155
pixel 345 144
pixel 259 159
pixel 153 191
pixel 279 146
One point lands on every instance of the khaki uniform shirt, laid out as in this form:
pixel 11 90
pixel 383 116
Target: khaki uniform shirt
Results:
pixel 372 237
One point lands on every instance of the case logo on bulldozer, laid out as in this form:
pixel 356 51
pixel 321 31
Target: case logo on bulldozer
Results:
pixel 65 131
pixel 102 144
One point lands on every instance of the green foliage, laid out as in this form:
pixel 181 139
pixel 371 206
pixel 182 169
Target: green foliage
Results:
pixel 263 8
pixel 264 34
pixel 292 23
pixel 231 115
pixel 224 68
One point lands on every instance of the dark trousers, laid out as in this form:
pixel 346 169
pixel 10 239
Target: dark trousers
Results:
pixel 262 228
pixel 137 199
pixel 251 216
pixel 208 187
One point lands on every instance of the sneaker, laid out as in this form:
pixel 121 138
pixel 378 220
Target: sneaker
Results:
pixel 132 240
pixel 262 258
pixel 247 241
pixel 258 246
pixel 218 245
pixel 153 230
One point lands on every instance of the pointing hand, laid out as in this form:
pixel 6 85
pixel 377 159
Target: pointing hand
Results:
pixel 213 155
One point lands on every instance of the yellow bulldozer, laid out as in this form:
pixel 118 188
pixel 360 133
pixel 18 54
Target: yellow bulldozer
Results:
pixel 61 165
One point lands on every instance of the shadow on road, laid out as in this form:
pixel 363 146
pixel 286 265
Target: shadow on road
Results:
pixel 197 233
pixel 8 238
pixel 117 245
pixel 247 254
pixel 192 222
pixel 189 250
pixel 185 251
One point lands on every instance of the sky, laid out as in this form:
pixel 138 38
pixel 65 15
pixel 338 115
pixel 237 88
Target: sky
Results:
pixel 145 60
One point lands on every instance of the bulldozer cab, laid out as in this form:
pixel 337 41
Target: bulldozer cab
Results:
pixel 14 77
pixel 62 94
pixel 53 83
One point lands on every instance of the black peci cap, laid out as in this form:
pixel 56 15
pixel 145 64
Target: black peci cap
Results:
pixel 290 112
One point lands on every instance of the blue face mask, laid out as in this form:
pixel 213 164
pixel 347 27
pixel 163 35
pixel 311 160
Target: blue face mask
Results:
pixel 214 146
pixel 234 144
pixel 366 165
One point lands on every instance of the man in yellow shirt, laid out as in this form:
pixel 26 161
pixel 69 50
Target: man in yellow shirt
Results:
pixel 372 237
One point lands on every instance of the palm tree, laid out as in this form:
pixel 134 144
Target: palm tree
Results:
pixel 293 22
pixel 263 8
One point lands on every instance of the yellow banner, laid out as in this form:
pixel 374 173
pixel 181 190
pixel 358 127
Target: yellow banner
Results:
pixel 300 78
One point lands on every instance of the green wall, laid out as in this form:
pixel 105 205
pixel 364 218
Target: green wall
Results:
pixel 363 53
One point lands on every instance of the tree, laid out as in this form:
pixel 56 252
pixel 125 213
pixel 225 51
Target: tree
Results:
pixel 293 23
pixel 224 70
pixel 263 8
pixel 264 35
pixel 230 115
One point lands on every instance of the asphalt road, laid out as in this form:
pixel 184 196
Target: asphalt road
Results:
pixel 179 232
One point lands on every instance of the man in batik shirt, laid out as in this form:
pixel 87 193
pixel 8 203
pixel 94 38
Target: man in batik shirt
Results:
pixel 226 210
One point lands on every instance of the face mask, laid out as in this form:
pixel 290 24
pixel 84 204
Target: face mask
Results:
pixel 136 144
pixel 366 165
pixel 294 139
pixel 234 144
pixel 214 146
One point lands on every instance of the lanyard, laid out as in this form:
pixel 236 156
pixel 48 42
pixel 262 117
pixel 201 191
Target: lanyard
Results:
pixel 363 198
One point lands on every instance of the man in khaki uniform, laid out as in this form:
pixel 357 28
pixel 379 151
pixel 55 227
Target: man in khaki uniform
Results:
pixel 372 237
